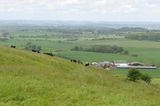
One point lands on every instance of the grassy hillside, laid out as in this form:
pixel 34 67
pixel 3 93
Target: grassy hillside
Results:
pixel 30 79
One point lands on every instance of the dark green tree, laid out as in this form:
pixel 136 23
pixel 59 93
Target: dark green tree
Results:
pixel 146 78
pixel 134 75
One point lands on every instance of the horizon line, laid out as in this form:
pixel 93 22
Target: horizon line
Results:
pixel 74 20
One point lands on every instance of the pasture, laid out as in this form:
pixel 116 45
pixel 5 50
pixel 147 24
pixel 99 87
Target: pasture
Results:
pixel 32 79
pixel 29 79
pixel 147 51
pixel 61 43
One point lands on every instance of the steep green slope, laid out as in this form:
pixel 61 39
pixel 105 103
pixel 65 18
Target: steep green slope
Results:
pixel 30 79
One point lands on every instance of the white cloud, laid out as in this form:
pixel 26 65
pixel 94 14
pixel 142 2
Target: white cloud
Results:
pixel 137 10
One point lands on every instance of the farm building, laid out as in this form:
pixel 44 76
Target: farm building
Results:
pixel 120 63
pixel 102 64
pixel 123 64
pixel 136 65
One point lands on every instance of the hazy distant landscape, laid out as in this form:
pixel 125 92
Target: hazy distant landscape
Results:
pixel 60 38
pixel 79 53
pixel 29 78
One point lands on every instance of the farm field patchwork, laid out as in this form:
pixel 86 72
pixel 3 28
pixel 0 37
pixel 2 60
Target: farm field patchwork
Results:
pixel 146 52
pixel 61 44
pixel 29 78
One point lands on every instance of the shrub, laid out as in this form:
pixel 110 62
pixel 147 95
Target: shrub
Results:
pixel 134 75
pixel 146 78
pixel 135 55
pixel 125 52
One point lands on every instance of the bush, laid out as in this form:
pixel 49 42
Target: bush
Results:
pixel 134 75
pixel 146 78
pixel 135 55
pixel 125 52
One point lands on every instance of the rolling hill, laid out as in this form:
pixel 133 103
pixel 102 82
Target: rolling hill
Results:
pixel 32 79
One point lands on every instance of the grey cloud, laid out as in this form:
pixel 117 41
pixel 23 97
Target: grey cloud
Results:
pixel 96 9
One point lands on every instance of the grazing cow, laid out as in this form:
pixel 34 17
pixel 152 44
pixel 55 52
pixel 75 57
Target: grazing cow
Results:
pixel 75 61
pixel 38 51
pixel 50 54
pixel 72 60
pixel 13 46
pixel 34 50
pixel 87 64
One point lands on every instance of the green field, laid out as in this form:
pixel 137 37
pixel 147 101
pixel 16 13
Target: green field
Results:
pixel 61 43
pixel 148 51
pixel 31 79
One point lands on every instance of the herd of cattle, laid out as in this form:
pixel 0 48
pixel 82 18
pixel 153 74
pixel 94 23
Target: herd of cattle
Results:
pixel 51 54
pixel 36 51
pixel 79 62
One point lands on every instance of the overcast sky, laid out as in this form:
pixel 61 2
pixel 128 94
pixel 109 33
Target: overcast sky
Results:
pixel 81 10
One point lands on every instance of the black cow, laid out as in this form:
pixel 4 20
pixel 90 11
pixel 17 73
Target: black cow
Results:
pixel 12 46
pixel 76 61
pixel 73 60
pixel 37 51
pixel 50 54
pixel 87 64
pixel 34 50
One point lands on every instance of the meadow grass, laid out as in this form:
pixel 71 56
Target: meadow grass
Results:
pixel 150 57
pixel 30 79
pixel 126 43
pixel 147 51
pixel 152 73
pixel 50 45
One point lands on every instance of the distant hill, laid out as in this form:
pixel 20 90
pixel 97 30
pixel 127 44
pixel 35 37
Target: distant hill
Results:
pixel 109 24
pixel 132 29
pixel 32 79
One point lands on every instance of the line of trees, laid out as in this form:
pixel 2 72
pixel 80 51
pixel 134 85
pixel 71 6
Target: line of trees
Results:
pixel 153 36
pixel 4 36
pixel 101 49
